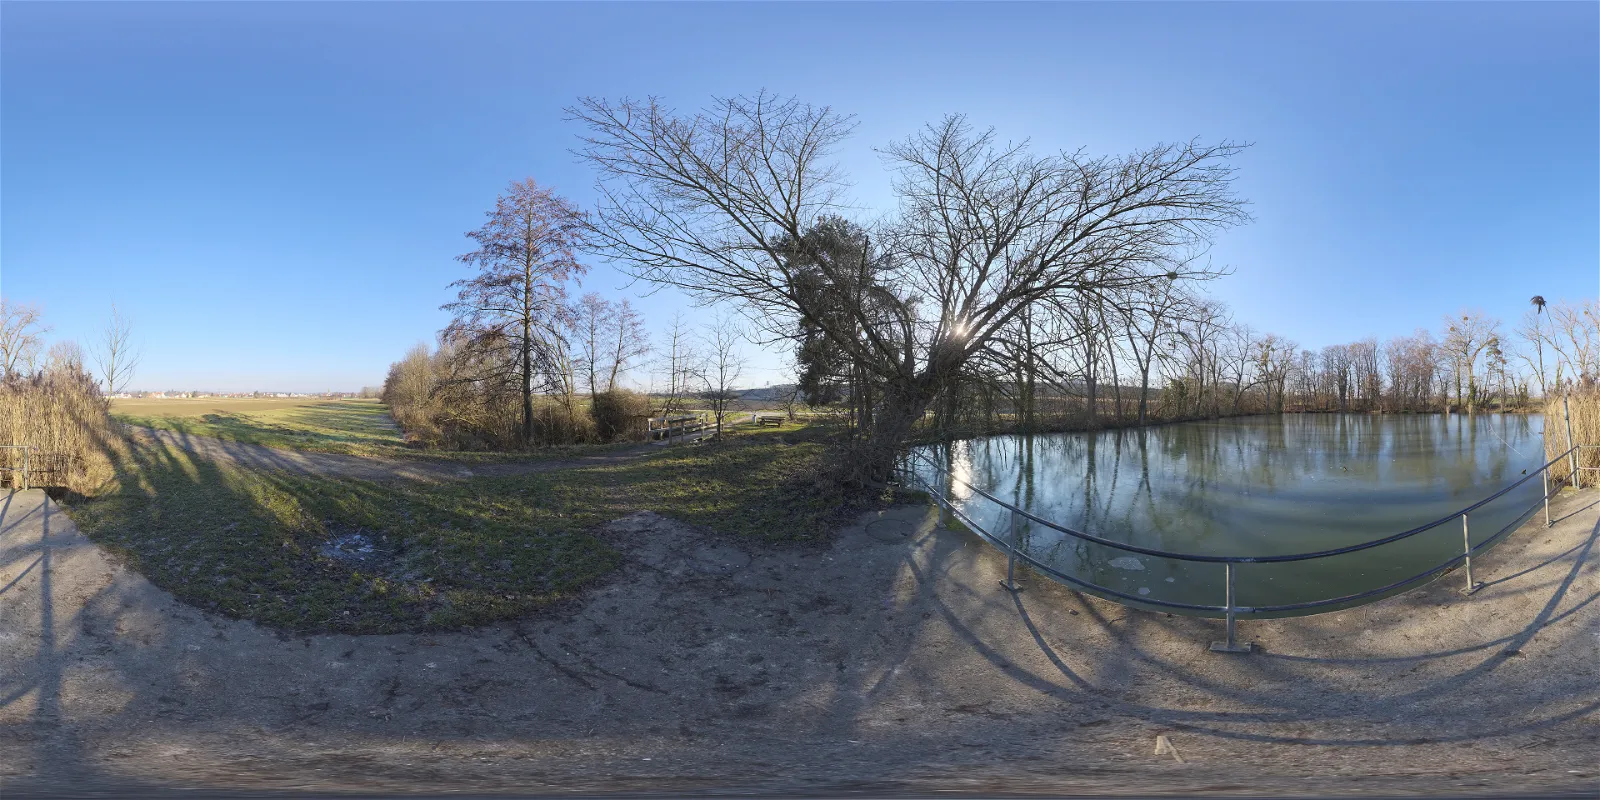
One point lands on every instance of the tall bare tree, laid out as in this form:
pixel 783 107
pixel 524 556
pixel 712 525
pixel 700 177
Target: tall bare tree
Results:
pixel 22 333
pixel 706 201
pixel 1533 330
pixel 593 316
pixel 516 303
pixel 723 366
pixel 679 360
pixel 1576 337
pixel 1467 335
pixel 627 340
pixel 115 354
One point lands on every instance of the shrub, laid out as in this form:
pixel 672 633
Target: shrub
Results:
pixel 619 415
pixel 444 400
pixel 61 413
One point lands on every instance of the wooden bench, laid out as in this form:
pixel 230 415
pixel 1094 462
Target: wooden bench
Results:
pixel 763 420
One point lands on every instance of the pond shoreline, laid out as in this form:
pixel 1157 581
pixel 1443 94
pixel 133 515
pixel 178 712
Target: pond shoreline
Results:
pixel 1248 488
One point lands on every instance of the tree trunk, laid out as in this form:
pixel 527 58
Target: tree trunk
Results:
pixel 1144 390
pixel 898 410
pixel 527 382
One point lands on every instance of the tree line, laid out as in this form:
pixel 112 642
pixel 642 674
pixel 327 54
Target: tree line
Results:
pixel 1006 287
pixel 523 363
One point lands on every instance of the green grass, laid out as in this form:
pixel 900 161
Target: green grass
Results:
pixel 347 427
pixel 250 544
pixel 356 427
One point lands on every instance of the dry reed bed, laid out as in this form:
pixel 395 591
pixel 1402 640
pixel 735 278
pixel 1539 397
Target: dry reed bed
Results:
pixel 63 416
pixel 1582 406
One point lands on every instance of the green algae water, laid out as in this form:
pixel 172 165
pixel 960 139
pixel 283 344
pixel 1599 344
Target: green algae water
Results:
pixel 1254 486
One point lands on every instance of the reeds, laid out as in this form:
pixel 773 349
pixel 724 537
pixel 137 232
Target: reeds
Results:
pixel 62 416
pixel 1581 408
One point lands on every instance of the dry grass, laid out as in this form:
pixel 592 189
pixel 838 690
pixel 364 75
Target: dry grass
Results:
pixel 354 427
pixel 202 406
pixel 1584 407
pixel 63 417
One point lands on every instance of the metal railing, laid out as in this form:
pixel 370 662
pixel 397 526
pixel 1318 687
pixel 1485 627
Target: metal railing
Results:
pixel 26 450
pixel 1230 609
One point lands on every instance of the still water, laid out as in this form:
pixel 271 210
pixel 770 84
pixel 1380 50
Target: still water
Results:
pixel 1254 486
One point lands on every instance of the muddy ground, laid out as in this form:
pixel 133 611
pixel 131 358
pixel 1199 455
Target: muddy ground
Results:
pixel 889 662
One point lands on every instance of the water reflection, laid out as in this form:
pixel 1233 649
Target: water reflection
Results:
pixel 1254 486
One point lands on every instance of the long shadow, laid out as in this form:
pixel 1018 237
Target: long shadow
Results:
pixel 929 559
pixel 1195 720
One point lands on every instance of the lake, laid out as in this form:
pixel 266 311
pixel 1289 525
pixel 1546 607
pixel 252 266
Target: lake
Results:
pixel 1254 486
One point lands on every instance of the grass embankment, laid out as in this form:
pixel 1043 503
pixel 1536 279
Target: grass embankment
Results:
pixel 260 545
pixel 346 427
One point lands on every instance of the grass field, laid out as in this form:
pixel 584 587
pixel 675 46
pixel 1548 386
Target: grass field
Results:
pixel 350 427
pixel 358 427
pixel 257 545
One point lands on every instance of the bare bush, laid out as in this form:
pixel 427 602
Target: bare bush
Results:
pixel 619 415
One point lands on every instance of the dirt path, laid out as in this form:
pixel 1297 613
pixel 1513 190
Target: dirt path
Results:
pixel 888 662
pixel 257 456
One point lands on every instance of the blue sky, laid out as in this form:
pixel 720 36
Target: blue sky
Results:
pixel 275 193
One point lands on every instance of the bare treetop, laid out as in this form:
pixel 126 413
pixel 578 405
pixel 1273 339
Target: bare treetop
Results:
pixel 21 335
pixel 737 202
pixel 991 228
pixel 115 353
pixel 701 201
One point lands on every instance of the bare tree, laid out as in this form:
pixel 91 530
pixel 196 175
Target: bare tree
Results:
pixel 610 338
pixel 1467 335
pixel 1535 330
pixel 627 339
pixel 65 356
pixel 723 366
pixel 21 335
pixel 1338 366
pixel 592 318
pixel 1149 322
pixel 115 354
pixel 679 361
pixel 708 201
pixel 1275 363
pixel 1366 373
pixel 1576 337
pixel 516 303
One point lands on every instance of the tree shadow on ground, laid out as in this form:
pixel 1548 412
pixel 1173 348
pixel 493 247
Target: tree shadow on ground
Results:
pixel 879 658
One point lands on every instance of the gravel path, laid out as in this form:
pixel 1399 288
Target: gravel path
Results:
pixel 888 662
pixel 257 456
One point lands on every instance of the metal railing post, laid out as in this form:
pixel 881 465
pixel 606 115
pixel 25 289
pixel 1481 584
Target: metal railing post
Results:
pixel 1546 475
pixel 1466 553
pixel 1572 454
pixel 1010 583
pixel 945 517
pixel 1231 645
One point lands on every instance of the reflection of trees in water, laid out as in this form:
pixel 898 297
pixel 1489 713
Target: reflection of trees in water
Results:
pixel 1257 485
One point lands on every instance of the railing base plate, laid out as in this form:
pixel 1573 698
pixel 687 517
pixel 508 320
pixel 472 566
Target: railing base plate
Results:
pixel 1010 587
pixel 1475 588
pixel 1238 647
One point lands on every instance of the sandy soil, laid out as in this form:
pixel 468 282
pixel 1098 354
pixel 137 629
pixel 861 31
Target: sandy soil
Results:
pixel 888 662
